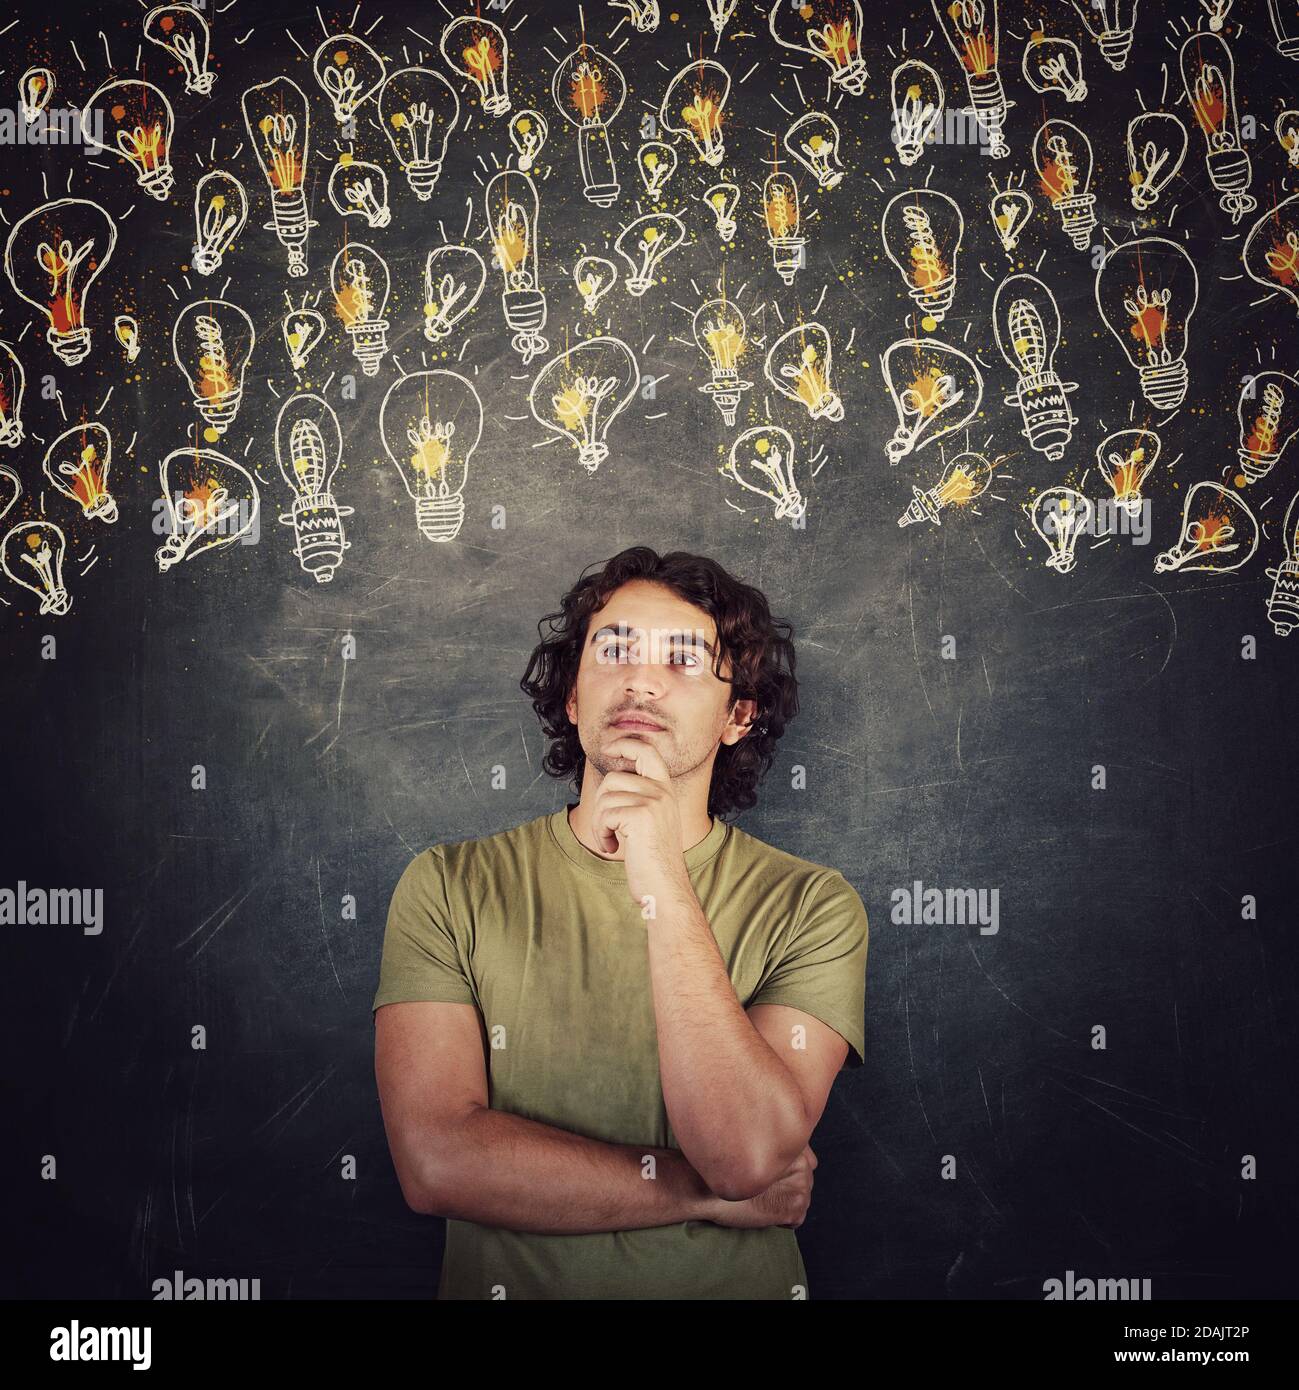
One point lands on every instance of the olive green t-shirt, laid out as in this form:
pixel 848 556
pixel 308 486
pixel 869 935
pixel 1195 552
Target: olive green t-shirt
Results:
pixel 542 936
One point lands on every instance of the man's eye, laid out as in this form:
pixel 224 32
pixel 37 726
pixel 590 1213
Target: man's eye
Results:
pixel 689 656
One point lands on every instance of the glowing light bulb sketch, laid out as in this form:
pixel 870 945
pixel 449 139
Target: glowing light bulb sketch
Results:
pixel 721 334
pixel 762 461
pixel 1062 155
pixel 1125 459
pixel 302 329
pixel 1286 130
pixel 513 212
pixel 644 244
pixel 220 212
pixel 581 391
pixel 589 89
pixel 13 384
pixel 970 28
pixel 922 230
pixel 209 501
pixel 477 49
pixel 1054 65
pixel 431 423
pixel 1219 532
pixel 349 72
pixel 358 188
pixel 964 480
pixel 813 140
pixel 528 134
pixel 1146 291
pixel 35 88
pixel 1268 411
pixel 1283 601
pixel 721 200
pixel 935 389
pixel 1110 23
pixel 780 208
pixel 77 464
pixel 1156 145
pixel 1209 76
pixel 1060 515
pixel 594 276
pixel 183 32
pixel 138 121
pixel 657 162
pixel 277 119
pixel 32 556
pixel 829 31
pixel 418 110
pixel 361 283
pixel 799 364
pixel 212 342
pixel 694 105
pixel 454 279
pixel 127 332
pixel 1026 321
pixel 918 103
pixel 1270 254
pixel 1011 209
pixel 308 449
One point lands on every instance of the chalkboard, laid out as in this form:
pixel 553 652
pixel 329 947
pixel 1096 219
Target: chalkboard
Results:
pixel 242 744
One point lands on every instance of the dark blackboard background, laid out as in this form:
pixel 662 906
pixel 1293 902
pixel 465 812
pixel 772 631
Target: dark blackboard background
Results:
pixel 1120 907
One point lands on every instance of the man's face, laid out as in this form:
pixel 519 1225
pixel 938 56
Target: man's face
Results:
pixel 649 655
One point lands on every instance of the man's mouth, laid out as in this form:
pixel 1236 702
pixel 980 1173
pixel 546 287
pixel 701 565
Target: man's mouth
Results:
pixel 634 723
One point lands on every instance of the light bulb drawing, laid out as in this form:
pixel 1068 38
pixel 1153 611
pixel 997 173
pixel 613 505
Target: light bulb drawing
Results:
pixel 454 279
pixel 358 188
pixel 212 342
pixel 77 464
pixel 1209 76
pixel 1054 65
pixel 11 489
pixel 762 461
pixel 1270 254
pixel 964 480
pixel 935 389
pixel 657 162
pixel 922 230
pixel 431 423
pixel 589 89
pixel 721 200
pixel 53 256
pixel 181 31
pixel 308 449
pixel 829 31
pixel 1268 411
pixel 1062 155
pixel 970 28
pixel 1125 459
pixel 302 329
pixel 1156 144
pixel 35 88
pixel 594 276
pixel 1285 27
pixel 1286 130
pixel 418 110
pixel 477 49
pixel 277 120
pixel 138 120
pixel 1146 291
pixel 513 212
pixel 32 556
pixel 1011 209
pixel 127 332
pixel 528 134
pixel 1219 532
pixel 13 385
pixel 1110 23
pixel 694 105
pixel 721 334
pixel 1060 515
pixel 209 501
pixel 918 103
pixel 582 390
pixel 360 280
pixel 349 72
pixel 644 14
pixel 644 244
pixel 780 208
pixel 1026 321
pixel 798 365
pixel 720 12
pixel 1283 601
pixel 220 212
pixel 813 140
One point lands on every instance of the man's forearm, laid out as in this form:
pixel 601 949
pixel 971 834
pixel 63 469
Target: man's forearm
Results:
pixel 499 1169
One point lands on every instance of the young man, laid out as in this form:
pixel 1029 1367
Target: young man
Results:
pixel 603 1038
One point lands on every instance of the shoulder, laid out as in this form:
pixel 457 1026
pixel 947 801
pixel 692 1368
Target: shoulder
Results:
pixel 517 844
pixel 809 878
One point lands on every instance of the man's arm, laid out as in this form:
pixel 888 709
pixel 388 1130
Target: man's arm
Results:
pixel 457 1158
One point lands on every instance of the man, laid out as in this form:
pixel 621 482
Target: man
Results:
pixel 603 1038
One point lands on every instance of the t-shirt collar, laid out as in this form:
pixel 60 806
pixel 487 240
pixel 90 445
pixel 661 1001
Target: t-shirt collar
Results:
pixel 590 862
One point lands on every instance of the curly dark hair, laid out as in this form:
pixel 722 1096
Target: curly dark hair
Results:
pixel 760 650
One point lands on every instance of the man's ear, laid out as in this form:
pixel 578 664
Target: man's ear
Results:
pixel 743 719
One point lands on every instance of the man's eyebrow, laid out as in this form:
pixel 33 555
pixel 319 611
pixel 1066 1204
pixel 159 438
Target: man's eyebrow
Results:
pixel 623 629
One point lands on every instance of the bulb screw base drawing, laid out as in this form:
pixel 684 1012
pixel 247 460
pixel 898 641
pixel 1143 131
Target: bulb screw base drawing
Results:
pixel 1077 219
pixel 369 343
pixel 1254 465
pixel 318 535
pixel 1164 386
pixel 1283 601
pixel 1115 45
pixel 157 183
pixel 70 346
pixel 440 518
pixel 1230 173
pixel 422 176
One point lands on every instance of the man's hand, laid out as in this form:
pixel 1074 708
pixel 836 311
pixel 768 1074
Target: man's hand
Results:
pixel 784 1203
pixel 637 811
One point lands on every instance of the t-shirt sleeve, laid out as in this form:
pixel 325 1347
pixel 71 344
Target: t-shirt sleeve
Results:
pixel 822 970
pixel 421 959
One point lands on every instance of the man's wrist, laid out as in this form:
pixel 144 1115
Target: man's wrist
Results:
pixel 694 1198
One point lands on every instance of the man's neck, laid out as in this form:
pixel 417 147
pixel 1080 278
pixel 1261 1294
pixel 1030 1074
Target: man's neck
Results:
pixel 696 823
